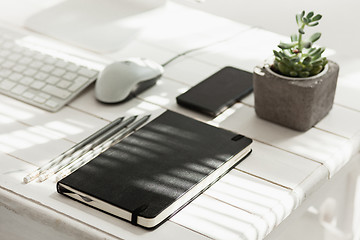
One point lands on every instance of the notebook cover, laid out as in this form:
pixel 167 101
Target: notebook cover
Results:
pixel 150 169
pixel 218 92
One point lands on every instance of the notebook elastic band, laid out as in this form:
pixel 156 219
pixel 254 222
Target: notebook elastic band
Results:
pixel 136 213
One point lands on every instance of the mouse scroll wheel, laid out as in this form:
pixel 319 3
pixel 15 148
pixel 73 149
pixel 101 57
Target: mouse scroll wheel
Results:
pixel 127 62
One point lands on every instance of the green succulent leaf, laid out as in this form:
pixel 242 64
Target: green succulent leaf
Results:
pixel 316 70
pixel 294 37
pixel 282 54
pixel 311 50
pixel 283 68
pixel 313 24
pixel 315 52
pixel 286 45
pixel 317 17
pixel 298 67
pixel 293 74
pixel 302 14
pixel 298 19
pixel 276 54
pixel 288 53
pixel 315 37
pixel 304 74
pixel 307 44
pixel 325 61
pixel 287 62
pixel 307 60
pixel 309 67
pixel 316 56
pixel 318 62
pixel 309 15
pixel 295 59
pixel 299 58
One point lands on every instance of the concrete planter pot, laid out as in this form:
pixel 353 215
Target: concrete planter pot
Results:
pixel 297 103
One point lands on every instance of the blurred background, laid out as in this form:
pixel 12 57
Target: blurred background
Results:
pixel 339 25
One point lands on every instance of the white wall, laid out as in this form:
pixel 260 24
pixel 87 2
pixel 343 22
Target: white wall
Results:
pixel 339 25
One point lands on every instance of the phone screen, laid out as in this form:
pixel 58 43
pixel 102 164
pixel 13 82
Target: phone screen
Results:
pixel 218 92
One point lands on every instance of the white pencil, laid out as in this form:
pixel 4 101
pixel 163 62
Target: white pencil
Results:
pixel 100 148
pixel 67 160
pixel 70 151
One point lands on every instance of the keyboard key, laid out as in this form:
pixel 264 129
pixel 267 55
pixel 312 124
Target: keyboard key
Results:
pixel 39 99
pixel 17 49
pixel 29 95
pixel 72 67
pixel 30 72
pixel 78 82
pixel 28 53
pixel 75 86
pixel 8 64
pixel 37 84
pixel 69 76
pixel 87 72
pixel 19 68
pixel 63 84
pixel 7 85
pixel 4 72
pixel 36 64
pixel 60 63
pixel 4 53
pixel 46 68
pixel 57 92
pixel 41 76
pixel 52 103
pixel 44 95
pixel 26 80
pixel 52 80
pixel 39 56
pixel 58 72
pixel 81 79
pixel 8 45
pixel 19 89
pixel 14 57
pixel 15 77
pixel 50 60
pixel 25 60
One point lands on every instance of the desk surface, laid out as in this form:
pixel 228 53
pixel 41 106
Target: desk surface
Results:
pixel 284 169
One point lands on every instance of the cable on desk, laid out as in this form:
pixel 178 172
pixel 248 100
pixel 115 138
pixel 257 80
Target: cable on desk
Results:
pixel 203 47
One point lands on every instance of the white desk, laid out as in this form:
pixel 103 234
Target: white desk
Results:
pixel 285 168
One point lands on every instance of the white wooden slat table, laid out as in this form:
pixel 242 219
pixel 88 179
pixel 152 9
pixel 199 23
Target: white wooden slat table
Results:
pixel 284 170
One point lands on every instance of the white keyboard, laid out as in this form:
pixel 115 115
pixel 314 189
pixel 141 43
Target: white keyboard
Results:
pixel 36 78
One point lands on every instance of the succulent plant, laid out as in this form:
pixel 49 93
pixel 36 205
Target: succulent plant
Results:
pixel 300 58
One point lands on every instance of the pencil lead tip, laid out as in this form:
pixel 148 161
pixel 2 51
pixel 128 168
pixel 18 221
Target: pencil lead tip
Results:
pixel 146 117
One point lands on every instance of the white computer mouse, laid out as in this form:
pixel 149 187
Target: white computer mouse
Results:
pixel 121 80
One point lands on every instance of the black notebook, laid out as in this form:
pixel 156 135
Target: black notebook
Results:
pixel 153 173
pixel 218 92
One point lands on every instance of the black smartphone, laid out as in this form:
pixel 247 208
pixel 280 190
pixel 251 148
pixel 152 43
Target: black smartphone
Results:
pixel 218 92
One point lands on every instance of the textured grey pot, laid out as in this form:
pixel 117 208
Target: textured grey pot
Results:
pixel 297 103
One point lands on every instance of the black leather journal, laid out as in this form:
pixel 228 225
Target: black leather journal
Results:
pixel 217 92
pixel 153 173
